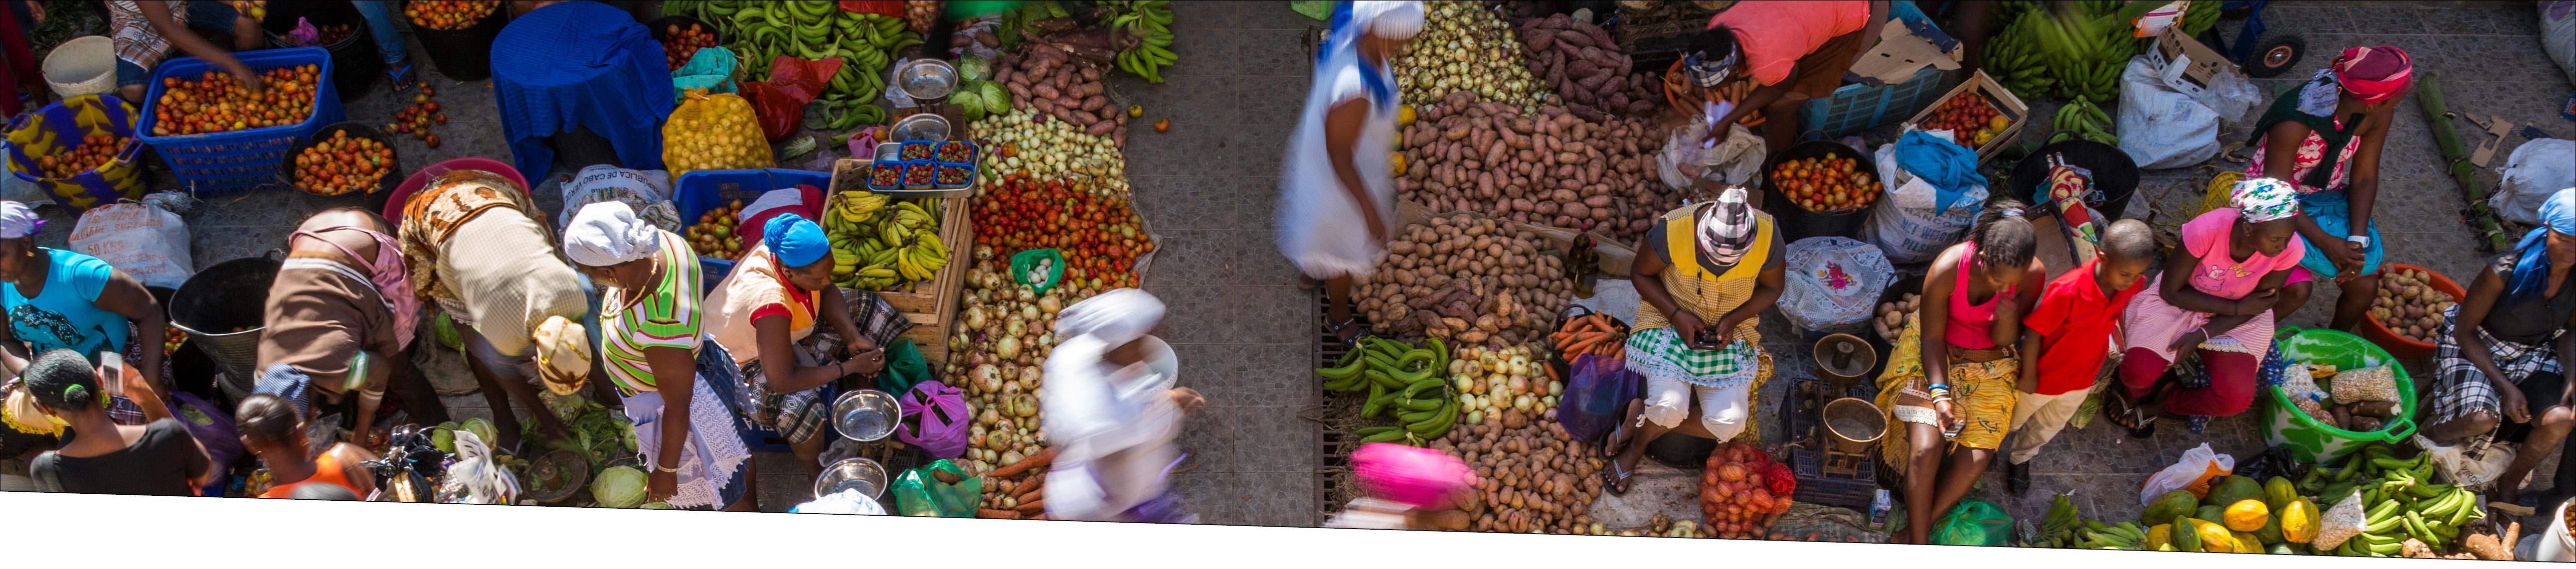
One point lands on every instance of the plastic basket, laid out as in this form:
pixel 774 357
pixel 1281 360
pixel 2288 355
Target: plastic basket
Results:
pixel 43 133
pixel 2312 442
pixel 2115 175
pixel 376 196
pixel 1858 107
pixel 464 54
pixel 696 192
pixel 226 163
pixel 656 27
pixel 2400 346
pixel 85 65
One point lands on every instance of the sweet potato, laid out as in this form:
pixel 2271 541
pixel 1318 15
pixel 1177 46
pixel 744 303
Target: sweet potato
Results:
pixel 997 514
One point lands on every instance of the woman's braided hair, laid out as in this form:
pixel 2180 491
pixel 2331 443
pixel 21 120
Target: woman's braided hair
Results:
pixel 2004 237
pixel 63 380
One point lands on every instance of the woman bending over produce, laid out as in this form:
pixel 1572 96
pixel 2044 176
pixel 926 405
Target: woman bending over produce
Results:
pixel 480 250
pixel 767 312
pixel 676 385
pixel 342 303
pixel 103 457
pixel 1947 417
pixel 1695 341
pixel 2504 378
pixel 2215 296
pixel 2323 139
pixel 1112 421
pixel 59 299
pixel 1337 198
pixel 274 428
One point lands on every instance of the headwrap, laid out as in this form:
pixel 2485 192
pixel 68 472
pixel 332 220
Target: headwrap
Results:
pixel 607 233
pixel 1725 229
pixel 563 354
pixel 1115 317
pixel 2265 199
pixel 796 241
pixel 1707 69
pixel 1415 476
pixel 1390 19
pixel 17 221
pixel 2374 74
pixel 22 414
pixel 288 383
pixel 2531 268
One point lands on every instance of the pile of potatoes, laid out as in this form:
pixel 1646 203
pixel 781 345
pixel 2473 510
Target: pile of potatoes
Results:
pixel 1465 46
pixel 1532 476
pixel 1063 88
pixel 1551 168
pixel 2409 305
pixel 1894 316
pixel 1469 279
pixel 1587 68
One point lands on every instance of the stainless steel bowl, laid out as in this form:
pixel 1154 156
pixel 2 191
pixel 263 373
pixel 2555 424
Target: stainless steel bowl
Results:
pixel 865 415
pixel 926 79
pixel 865 475
pixel 924 126
pixel 889 151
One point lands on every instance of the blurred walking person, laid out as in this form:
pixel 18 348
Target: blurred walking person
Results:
pixel 1337 176
pixel 1111 414
pixel 1408 488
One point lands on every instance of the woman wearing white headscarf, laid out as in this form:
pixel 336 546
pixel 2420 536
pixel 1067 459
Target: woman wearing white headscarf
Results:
pixel 1112 421
pixel 1337 173
pixel 677 385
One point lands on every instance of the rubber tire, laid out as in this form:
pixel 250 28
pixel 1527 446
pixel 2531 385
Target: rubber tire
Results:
pixel 2259 64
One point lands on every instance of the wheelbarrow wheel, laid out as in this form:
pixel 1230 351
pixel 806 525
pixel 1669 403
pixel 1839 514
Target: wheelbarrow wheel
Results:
pixel 2275 56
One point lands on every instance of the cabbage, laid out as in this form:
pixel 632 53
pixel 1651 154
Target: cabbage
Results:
pixel 972 68
pixel 996 99
pixel 483 428
pixel 619 487
pixel 447 335
pixel 444 439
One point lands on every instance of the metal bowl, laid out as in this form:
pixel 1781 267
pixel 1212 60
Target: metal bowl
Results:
pixel 926 79
pixel 865 415
pixel 865 475
pixel 889 151
pixel 924 126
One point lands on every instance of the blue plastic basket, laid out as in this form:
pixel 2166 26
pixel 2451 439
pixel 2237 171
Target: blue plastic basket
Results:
pixel 702 190
pixel 241 161
pixel 1858 107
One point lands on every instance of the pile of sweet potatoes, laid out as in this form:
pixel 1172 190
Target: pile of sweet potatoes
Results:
pixel 1591 75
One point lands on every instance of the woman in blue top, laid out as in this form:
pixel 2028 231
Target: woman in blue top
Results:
pixel 59 299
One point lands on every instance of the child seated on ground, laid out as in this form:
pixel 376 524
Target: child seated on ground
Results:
pixel 2214 296
pixel 2069 336
pixel 1948 387
pixel 275 429
pixel 146 30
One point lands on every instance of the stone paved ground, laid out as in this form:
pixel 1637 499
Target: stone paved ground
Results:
pixel 1243 329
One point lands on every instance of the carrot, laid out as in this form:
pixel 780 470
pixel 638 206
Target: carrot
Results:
pixel 997 514
pixel 1551 374
pixel 1024 465
pixel 1031 507
pixel 1560 337
pixel 1031 491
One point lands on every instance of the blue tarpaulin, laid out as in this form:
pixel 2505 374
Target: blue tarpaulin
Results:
pixel 580 64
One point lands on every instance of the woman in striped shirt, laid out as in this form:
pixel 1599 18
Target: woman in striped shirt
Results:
pixel 676 385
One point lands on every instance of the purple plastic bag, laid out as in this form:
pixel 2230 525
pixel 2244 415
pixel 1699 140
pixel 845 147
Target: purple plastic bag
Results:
pixel 1596 397
pixel 942 417
pixel 213 429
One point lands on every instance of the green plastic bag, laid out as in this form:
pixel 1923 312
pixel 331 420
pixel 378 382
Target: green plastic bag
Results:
pixel 711 69
pixel 920 493
pixel 1046 262
pixel 904 367
pixel 1974 522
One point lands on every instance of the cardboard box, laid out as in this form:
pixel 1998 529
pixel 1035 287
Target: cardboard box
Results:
pixel 2201 65
pixel 1901 52
pixel 1981 85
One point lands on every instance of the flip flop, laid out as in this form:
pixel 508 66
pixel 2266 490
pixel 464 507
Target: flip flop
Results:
pixel 2122 411
pixel 401 77
pixel 1350 331
pixel 1614 479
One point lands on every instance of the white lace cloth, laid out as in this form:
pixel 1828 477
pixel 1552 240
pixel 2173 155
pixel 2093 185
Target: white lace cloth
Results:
pixel 711 433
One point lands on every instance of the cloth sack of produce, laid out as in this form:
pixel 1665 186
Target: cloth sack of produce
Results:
pixel 143 239
pixel 922 492
pixel 1833 283
pixel 935 418
pixel 1974 522
pixel 2365 384
pixel 2339 523
pixel 1921 217
pixel 714 132
pixel 1596 398
pixel 710 69
pixel 2535 171
pixel 2193 473
pixel 1738 161
pixel 2159 126
pixel 2558 34
pixel 2471 465
pixel 648 192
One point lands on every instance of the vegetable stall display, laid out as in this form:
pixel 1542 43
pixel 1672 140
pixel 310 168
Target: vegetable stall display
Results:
pixel 762 32
pixel 1466 46
pixel 1551 167
pixel 1470 279
pixel 1589 72
pixel 1533 476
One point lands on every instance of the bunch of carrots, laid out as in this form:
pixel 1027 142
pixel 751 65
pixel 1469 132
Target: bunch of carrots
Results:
pixel 1027 493
pixel 1596 334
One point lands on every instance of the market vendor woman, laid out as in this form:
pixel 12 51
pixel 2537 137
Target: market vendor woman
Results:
pixel 2215 297
pixel 1949 415
pixel 765 312
pixel 2324 139
pixel 343 303
pixel 2504 378
pixel 59 299
pixel 1337 190
pixel 677 386
pixel 1695 340
pixel 1793 52
pixel 480 249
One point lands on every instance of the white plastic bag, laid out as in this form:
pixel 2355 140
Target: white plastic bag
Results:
pixel 1911 227
pixel 141 239
pixel 1737 161
pixel 2558 34
pixel 2339 523
pixel 647 191
pixel 1833 283
pixel 2158 126
pixel 2470 468
pixel 2535 171
pixel 2193 472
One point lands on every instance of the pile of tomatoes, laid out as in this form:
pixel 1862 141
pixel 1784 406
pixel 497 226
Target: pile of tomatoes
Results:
pixel 1826 183
pixel 334 33
pixel 341 164
pixel 1099 236
pixel 94 151
pixel 679 43
pixel 713 235
pixel 448 14
pixel 1969 119
pixel 415 119
pixel 215 102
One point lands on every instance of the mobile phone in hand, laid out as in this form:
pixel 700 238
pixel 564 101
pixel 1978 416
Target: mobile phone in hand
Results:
pixel 112 371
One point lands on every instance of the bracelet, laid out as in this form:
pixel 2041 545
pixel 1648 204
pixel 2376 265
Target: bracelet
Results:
pixel 670 469
pixel 1939 386
pixel 2362 240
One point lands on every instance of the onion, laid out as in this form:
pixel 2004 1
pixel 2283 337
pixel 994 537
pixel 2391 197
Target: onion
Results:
pixel 987 377
pixel 1008 347
pixel 1029 376
pixel 1030 311
pixel 1051 304
pixel 1523 402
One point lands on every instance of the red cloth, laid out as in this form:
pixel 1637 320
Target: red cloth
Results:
pixel 754 218
pixel 21 70
pixel 2375 74
pixel 2231 382
pixel 2075 321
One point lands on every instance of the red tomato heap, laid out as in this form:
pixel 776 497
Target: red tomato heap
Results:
pixel 215 102
pixel 334 33
pixel 342 164
pixel 1743 492
pixel 448 14
pixel 679 43
pixel 1968 118
pixel 1826 183
pixel 1098 235
pixel 415 119
pixel 94 151
pixel 713 236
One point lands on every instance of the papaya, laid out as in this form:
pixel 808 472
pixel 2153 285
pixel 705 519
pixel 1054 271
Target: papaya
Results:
pixel 2213 513
pixel 2298 521
pixel 2185 537
pixel 2246 543
pixel 2278 492
pixel 2167 507
pixel 2270 533
pixel 2246 515
pixel 2213 538
pixel 2158 537
pixel 2232 489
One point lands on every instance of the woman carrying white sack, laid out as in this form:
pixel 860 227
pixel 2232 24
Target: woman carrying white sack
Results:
pixel 1110 417
pixel 1337 178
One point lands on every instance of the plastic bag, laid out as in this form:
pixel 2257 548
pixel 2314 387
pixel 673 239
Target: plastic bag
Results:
pixel 846 502
pixel 904 367
pixel 213 429
pixel 1833 283
pixel 2193 472
pixel 2339 523
pixel 1974 522
pixel 2558 34
pixel 709 69
pixel 792 83
pixel 1738 161
pixel 647 191
pixel 1597 397
pixel 1912 227
pixel 2470 467
pixel 935 418
pixel 142 240
pixel 2160 127
pixel 920 493
pixel 713 132
pixel 2365 384
pixel 1040 268
pixel 2535 171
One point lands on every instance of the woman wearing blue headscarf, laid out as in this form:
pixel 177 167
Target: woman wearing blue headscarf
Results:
pixel 2503 379
pixel 766 311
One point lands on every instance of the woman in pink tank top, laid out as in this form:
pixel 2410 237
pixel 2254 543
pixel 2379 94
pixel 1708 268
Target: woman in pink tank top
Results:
pixel 1950 385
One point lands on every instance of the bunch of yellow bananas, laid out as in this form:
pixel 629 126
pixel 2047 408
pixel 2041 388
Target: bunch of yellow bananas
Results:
pixel 878 244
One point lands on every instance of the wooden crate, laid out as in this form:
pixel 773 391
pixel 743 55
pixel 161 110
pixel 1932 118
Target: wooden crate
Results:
pixel 932 305
pixel 1995 93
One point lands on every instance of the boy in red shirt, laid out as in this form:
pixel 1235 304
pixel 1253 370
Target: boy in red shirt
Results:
pixel 2070 334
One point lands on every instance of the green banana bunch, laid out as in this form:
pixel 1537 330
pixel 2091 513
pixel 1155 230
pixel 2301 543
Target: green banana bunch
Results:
pixel 2059 527
pixel 1404 382
pixel 2199 17
pixel 2086 121
pixel 2013 58
pixel 1149 22
pixel 812 30
pixel 2085 48
pixel 2097 535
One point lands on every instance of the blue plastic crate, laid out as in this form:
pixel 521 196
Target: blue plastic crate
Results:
pixel 241 161
pixel 696 192
pixel 1858 107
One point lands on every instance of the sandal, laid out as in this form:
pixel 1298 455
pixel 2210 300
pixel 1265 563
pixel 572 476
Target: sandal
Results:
pixel 1350 331
pixel 2127 413
pixel 1614 478
pixel 401 77
pixel 1614 442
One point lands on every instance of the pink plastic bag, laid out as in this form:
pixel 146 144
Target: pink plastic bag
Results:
pixel 935 418
pixel 1415 476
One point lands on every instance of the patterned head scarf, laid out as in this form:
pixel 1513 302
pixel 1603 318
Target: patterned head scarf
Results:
pixel 16 221
pixel 607 233
pixel 1115 317
pixel 2265 199
pixel 22 414
pixel 794 240
pixel 563 354
pixel 1725 228
pixel 2531 268
pixel 1390 19
pixel 2375 74
pixel 1709 68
